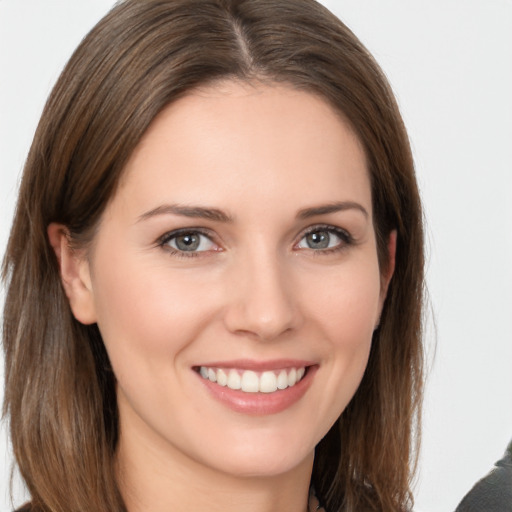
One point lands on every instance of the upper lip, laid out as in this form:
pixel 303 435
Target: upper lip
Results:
pixel 249 364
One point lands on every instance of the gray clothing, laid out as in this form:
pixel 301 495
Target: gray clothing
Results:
pixel 493 493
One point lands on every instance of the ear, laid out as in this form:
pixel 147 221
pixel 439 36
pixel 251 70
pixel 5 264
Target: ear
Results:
pixel 387 273
pixel 75 274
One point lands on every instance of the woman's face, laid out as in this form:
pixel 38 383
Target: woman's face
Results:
pixel 239 249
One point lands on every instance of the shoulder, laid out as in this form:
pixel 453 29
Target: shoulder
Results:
pixel 493 493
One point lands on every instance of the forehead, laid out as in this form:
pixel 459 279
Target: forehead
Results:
pixel 237 137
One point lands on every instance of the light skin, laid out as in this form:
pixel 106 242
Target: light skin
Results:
pixel 276 260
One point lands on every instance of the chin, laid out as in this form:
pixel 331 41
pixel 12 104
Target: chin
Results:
pixel 264 465
pixel 263 455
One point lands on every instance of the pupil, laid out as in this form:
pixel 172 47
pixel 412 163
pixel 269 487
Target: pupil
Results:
pixel 187 242
pixel 318 240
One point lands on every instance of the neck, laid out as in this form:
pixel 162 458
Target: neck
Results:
pixel 157 477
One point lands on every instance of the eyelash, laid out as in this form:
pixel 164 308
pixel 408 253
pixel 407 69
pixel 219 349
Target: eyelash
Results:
pixel 345 237
pixel 163 242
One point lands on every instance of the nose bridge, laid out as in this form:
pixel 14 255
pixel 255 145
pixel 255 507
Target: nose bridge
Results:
pixel 262 302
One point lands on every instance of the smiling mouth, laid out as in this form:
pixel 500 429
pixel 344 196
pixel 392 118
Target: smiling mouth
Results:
pixel 250 381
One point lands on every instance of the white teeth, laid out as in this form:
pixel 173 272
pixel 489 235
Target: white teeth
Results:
pixel 252 382
pixel 222 377
pixel 268 382
pixel 234 380
pixel 282 380
pixel 292 377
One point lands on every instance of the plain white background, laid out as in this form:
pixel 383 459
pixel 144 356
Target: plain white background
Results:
pixel 450 63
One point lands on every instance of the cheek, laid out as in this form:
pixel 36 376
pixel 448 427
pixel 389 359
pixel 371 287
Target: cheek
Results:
pixel 346 314
pixel 346 303
pixel 148 316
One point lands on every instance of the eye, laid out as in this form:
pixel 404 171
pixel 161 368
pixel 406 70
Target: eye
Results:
pixel 324 238
pixel 188 242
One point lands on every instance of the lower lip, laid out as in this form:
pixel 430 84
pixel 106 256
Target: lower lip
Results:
pixel 260 404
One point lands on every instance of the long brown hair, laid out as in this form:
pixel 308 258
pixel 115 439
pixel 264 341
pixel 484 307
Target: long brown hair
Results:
pixel 59 386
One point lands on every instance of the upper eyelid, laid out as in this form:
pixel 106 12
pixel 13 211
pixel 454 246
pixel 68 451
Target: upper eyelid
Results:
pixel 325 227
pixel 164 240
pixel 181 231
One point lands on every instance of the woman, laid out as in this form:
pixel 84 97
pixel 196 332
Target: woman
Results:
pixel 214 275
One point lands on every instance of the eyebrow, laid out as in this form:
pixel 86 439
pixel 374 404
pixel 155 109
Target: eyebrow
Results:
pixel 306 213
pixel 198 212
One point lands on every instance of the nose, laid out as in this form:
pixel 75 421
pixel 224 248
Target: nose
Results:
pixel 262 303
